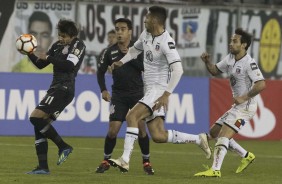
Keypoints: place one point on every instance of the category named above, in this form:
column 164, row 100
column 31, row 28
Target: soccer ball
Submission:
column 26, row 44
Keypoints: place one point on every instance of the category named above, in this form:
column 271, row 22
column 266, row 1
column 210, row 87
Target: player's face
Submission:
column 42, row 33
column 122, row 32
column 148, row 22
column 112, row 38
column 235, row 45
column 64, row 38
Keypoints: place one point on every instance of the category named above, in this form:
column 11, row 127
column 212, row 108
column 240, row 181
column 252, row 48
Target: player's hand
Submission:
column 240, row 99
column 124, row 50
column 162, row 101
column 106, row 96
column 116, row 65
column 206, row 57
column 42, row 56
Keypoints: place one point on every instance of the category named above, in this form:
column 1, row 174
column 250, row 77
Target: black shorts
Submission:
column 120, row 105
column 56, row 100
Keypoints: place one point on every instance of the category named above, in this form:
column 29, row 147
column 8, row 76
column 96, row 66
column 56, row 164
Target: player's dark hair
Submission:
column 159, row 13
column 39, row 16
column 112, row 32
column 124, row 20
column 68, row 27
column 245, row 37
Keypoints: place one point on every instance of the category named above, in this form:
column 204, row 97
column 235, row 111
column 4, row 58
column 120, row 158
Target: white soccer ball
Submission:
column 26, row 44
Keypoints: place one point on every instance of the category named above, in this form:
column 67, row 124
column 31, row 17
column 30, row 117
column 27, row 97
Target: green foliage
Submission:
column 173, row 164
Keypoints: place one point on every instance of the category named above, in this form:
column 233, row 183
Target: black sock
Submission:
column 52, row 134
column 144, row 144
column 49, row 131
column 41, row 146
column 109, row 146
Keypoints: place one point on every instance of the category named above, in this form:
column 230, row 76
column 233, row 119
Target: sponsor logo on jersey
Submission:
column 149, row 55
column 254, row 66
column 171, row 45
column 76, row 52
column 239, row 123
column 114, row 52
column 113, row 58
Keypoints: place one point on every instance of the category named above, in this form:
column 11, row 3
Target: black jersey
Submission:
column 126, row 79
column 66, row 60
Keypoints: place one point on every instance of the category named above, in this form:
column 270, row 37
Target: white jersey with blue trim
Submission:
column 159, row 53
column 242, row 74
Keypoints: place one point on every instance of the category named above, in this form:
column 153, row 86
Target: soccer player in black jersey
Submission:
column 66, row 55
column 127, row 89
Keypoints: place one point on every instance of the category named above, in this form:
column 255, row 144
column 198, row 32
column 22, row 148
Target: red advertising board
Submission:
column 267, row 122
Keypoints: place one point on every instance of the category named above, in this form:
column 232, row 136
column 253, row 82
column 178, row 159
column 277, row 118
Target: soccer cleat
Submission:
column 104, row 166
column 204, row 145
column 245, row 162
column 209, row 173
column 39, row 170
column 148, row 168
column 63, row 154
column 119, row 163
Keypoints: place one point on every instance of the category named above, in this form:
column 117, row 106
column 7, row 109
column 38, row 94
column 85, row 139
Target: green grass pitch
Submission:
column 173, row 164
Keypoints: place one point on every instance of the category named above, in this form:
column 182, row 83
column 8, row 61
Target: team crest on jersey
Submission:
column 157, row 48
column 149, row 55
column 238, row 70
column 171, row 45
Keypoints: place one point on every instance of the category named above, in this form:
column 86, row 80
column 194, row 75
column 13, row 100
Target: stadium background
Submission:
column 195, row 25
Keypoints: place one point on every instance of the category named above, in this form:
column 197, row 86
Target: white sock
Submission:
column 237, row 148
column 220, row 151
column 129, row 140
column 182, row 138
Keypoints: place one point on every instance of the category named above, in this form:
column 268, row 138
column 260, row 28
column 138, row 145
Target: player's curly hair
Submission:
column 245, row 37
column 68, row 27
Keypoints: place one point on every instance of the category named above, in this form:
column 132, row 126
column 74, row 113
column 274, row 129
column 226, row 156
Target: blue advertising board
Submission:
column 88, row 113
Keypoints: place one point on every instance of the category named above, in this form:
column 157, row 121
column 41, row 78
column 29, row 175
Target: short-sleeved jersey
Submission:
column 242, row 74
column 159, row 53
column 126, row 79
column 74, row 52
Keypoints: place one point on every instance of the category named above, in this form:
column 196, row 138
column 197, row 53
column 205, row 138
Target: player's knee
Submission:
column 39, row 123
column 112, row 133
column 131, row 118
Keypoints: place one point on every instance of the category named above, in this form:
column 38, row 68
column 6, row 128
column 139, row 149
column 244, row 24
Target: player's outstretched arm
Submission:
column 210, row 67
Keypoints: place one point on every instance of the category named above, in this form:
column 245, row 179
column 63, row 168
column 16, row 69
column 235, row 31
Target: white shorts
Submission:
column 236, row 117
column 149, row 99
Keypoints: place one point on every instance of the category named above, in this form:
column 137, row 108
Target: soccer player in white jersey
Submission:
column 246, row 81
column 162, row 72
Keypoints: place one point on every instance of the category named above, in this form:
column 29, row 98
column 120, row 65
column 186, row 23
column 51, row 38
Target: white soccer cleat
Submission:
column 204, row 145
column 119, row 163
